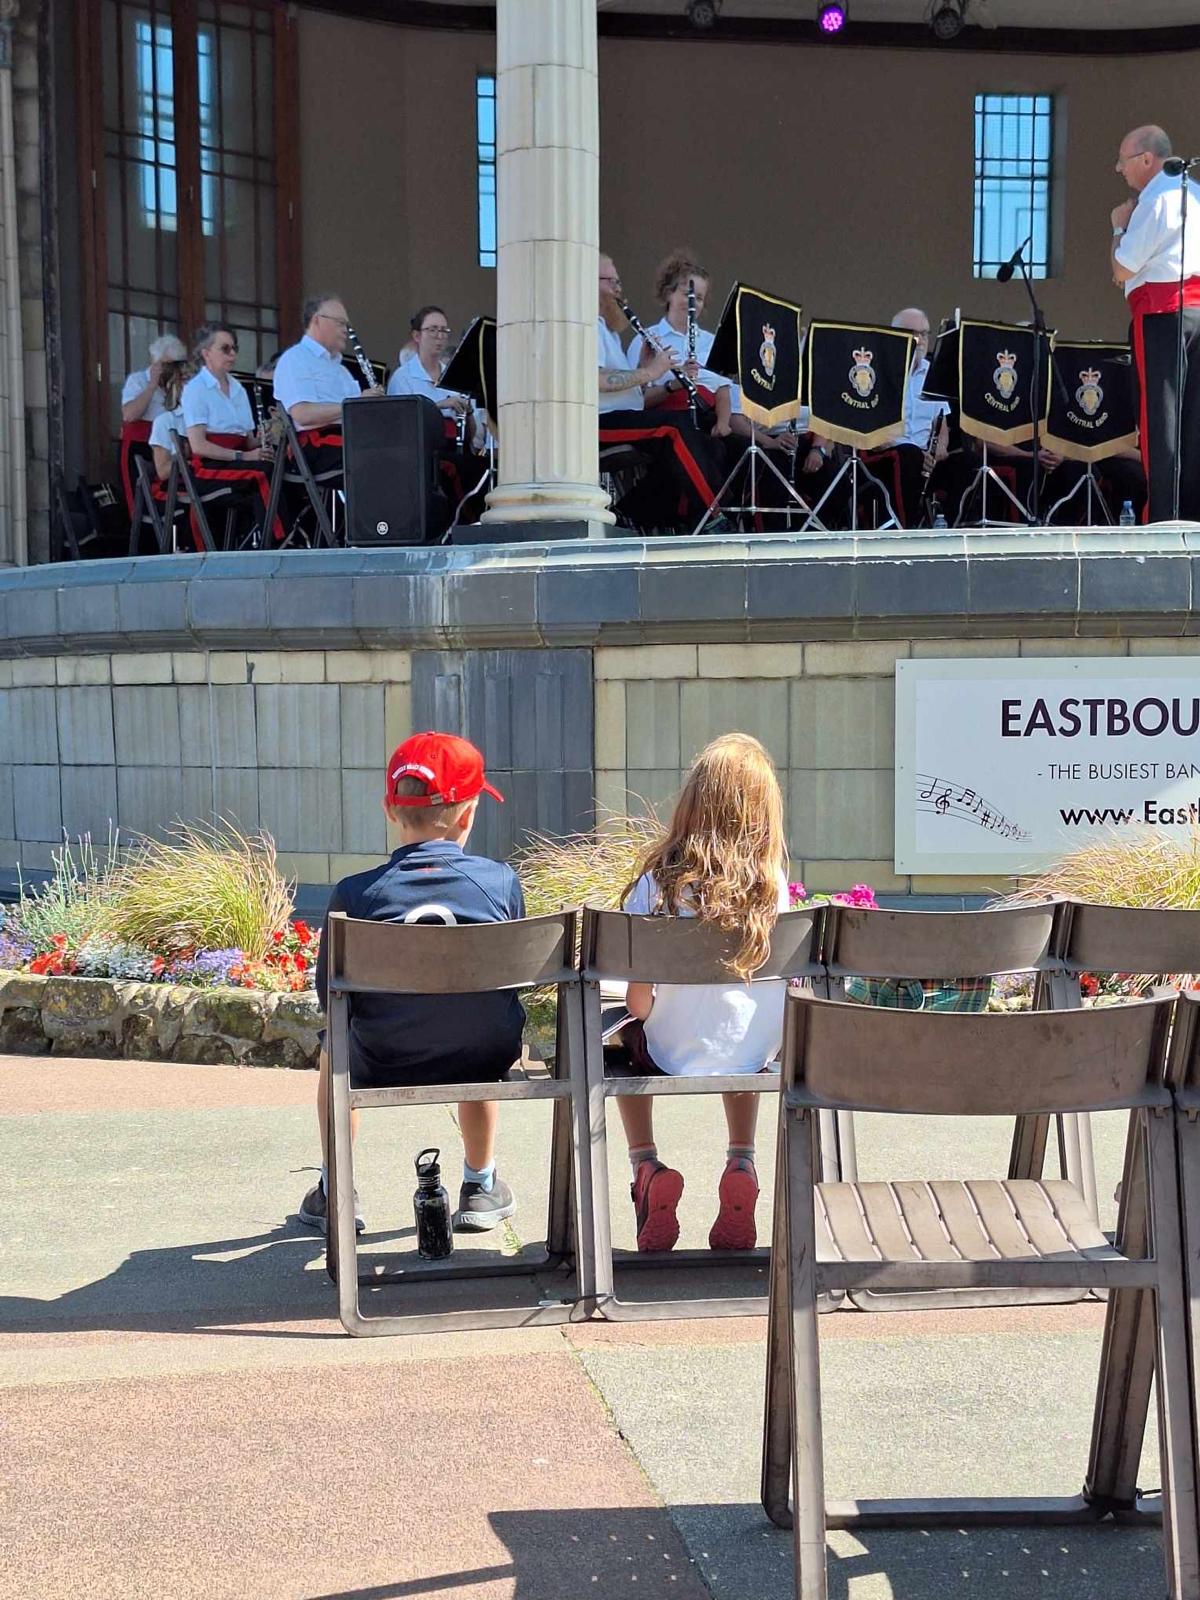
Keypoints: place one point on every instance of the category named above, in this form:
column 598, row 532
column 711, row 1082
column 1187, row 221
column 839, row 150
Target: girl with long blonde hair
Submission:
column 723, row 859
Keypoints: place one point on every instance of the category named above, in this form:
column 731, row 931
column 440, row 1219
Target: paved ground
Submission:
column 183, row 1417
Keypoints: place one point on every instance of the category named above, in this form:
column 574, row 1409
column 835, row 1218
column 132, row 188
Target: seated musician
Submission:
column 631, row 394
column 422, row 374
column 311, row 382
column 220, row 426
column 906, row 454
column 168, row 421
column 142, row 395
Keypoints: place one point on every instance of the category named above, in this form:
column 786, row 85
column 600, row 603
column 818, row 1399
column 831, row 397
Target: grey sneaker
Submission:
column 314, row 1209
column 480, row 1209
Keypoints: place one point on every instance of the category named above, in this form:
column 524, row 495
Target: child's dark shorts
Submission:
column 365, row 1073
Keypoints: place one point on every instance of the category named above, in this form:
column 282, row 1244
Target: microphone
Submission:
column 1004, row 273
column 1176, row 166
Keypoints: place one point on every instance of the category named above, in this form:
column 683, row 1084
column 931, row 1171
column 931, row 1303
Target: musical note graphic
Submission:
column 945, row 797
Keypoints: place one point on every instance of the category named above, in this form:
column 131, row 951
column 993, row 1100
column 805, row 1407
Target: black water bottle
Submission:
column 431, row 1207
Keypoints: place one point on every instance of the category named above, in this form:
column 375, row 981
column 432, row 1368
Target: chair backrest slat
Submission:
column 1132, row 939
column 467, row 958
column 871, row 1058
column 939, row 944
column 657, row 949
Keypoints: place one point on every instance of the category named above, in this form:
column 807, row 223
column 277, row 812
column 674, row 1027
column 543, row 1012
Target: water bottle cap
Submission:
column 428, row 1170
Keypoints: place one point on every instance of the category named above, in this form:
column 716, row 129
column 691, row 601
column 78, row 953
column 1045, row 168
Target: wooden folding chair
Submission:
column 394, row 958
column 986, row 1234
column 621, row 948
column 1155, row 944
column 916, row 947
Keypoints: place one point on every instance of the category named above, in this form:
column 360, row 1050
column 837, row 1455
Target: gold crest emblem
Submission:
column 862, row 373
column 766, row 350
column 1005, row 375
column 1089, row 393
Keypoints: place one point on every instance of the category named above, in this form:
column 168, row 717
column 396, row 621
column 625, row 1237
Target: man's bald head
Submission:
column 1142, row 154
column 913, row 320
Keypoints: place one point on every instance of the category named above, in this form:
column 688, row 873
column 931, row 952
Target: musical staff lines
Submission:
column 947, row 797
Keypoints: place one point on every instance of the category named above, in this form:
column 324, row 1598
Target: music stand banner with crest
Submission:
column 1093, row 409
column 757, row 344
column 995, row 377
column 856, row 380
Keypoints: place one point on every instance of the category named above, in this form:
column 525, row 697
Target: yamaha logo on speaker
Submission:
column 381, row 529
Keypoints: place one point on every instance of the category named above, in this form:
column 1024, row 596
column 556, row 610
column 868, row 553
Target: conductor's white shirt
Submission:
column 1150, row 248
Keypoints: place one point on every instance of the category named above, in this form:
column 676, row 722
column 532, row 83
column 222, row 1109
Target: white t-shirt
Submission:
column 1150, row 247
column 612, row 353
column 135, row 384
column 676, row 343
column 160, row 432
column 696, row 1030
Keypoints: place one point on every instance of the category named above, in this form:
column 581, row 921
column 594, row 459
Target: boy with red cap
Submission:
column 431, row 792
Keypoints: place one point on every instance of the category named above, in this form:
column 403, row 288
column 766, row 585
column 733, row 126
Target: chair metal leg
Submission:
column 596, row 1152
column 570, row 1045
column 777, row 1407
column 808, row 1466
column 1127, row 1352
column 340, row 1203
column 1173, row 1367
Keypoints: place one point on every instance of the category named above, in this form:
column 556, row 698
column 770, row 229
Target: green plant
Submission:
column 73, row 904
column 206, row 888
column 1128, row 869
column 583, row 868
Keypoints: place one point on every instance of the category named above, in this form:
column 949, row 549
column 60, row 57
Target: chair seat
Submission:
column 948, row 1220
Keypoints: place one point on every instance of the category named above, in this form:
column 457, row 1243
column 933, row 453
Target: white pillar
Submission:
column 12, row 369
column 548, row 224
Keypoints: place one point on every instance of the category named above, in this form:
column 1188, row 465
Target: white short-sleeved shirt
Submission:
column 412, row 378
column 160, row 432
column 612, row 353
column 674, row 341
column 698, row 1029
column 134, row 385
column 204, row 402
column 921, row 413
column 1150, row 248
column 309, row 374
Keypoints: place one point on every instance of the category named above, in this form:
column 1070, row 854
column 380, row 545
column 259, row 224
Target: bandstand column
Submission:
column 548, row 220
column 12, row 371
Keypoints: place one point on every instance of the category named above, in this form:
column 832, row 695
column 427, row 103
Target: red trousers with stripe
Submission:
column 132, row 433
column 247, row 475
column 1154, row 335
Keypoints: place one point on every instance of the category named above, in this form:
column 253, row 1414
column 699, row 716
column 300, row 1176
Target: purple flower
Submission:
column 209, row 968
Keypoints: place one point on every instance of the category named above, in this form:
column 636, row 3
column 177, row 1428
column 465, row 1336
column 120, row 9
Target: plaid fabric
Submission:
column 915, row 994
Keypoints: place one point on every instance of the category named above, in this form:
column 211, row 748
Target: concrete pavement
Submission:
column 183, row 1417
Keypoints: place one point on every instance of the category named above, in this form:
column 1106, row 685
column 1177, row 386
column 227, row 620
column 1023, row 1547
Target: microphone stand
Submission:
column 1033, row 507
column 1183, row 219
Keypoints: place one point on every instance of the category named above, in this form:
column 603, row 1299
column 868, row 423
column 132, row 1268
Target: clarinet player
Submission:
column 311, row 382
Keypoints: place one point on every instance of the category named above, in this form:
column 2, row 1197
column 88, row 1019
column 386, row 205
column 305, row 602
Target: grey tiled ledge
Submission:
column 1056, row 582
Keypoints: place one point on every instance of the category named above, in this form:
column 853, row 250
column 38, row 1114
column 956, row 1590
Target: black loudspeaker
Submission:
column 391, row 446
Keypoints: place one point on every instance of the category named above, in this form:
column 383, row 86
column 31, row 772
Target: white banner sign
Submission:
column 1004, row 766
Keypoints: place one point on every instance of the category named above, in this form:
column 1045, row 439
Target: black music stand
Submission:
column 996, row 403
column 471, row 370
column 758, row 345
column 1093, row 413
column 856, row 379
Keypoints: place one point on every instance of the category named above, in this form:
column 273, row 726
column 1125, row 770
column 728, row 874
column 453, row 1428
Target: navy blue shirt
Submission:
column 432, row 881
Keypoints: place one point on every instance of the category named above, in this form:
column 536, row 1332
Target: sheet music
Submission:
column 945, row 797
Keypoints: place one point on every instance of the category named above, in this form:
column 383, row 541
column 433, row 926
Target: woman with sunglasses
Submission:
column 220, row 425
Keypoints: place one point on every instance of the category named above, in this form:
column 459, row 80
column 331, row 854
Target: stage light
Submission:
column 946, row 19
column 831, row 18
column 702, row 13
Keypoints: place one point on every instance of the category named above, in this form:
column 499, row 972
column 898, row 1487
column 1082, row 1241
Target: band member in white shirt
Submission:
column 1147, row 262
column 142, row 396
column 906, row 453
column 220, row 424
column 311, row 382
column 685, row 475
column 422, row 374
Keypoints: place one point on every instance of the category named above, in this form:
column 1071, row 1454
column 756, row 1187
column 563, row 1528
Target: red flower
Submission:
column 303, row 931
column 1089, row 985
column 59, row 941
column 158, row 966
column 278, row 936
column 300, row 964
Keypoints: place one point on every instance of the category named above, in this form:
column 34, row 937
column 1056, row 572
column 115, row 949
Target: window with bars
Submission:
column 485, row 165
column 1014, row 150
column 154, row 54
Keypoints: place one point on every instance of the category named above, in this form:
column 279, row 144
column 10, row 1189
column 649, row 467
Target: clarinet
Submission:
column 691, row 342
column 637, row 327
column 360, row 355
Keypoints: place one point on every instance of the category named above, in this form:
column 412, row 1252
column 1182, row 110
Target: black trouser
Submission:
column 685, row 474
column 1155, row 346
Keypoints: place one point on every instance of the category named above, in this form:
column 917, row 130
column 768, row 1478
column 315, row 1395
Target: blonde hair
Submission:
column 675, row 269
column 724, row 850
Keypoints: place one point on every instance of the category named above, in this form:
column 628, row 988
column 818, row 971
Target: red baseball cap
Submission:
column 451, row 767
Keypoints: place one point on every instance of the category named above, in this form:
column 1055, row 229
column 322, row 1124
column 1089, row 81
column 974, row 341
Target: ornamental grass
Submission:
column 1145, row 869
column 583, row 868
column 204, row 888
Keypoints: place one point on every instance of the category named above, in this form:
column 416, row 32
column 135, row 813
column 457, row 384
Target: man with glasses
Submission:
column 685, row 473
column 905, row 454
column 1147, row 262
column 311, row 383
